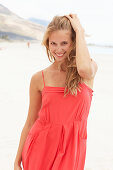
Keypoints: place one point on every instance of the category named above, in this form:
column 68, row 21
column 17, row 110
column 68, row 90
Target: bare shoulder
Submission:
column 37, row 80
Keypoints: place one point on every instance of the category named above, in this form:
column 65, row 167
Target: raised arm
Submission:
column 86, row 67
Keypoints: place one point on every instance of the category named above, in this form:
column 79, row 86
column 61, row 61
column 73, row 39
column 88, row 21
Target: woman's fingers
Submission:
column 75, row 22
column 69, row 17
column 73, row 15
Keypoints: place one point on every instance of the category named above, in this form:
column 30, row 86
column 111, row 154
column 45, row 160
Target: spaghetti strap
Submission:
column 43, row 78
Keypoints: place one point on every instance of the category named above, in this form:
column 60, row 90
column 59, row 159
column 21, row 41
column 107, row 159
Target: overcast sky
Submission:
column 95, row 16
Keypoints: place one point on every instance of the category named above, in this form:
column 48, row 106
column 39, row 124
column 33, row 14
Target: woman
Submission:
column 55, row 133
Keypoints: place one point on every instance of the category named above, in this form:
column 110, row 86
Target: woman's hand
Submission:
column 75, row 22
column 17, row 167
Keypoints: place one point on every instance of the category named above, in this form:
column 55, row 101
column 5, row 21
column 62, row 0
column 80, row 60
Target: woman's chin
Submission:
column 59, row 59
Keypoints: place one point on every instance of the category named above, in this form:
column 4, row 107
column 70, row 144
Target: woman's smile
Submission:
column 60, row 55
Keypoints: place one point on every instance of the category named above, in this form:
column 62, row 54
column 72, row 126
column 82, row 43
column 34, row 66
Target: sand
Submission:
column 17, row 64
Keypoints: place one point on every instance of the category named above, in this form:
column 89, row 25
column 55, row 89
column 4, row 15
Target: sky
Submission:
column 95, row 16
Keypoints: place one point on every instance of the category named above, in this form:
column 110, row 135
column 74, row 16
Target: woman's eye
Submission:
column 52, row 43
column 64, row 42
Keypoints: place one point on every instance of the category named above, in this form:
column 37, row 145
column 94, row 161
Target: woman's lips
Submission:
column 59, row 55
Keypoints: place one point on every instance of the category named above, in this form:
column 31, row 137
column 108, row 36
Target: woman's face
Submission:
column 60, row 43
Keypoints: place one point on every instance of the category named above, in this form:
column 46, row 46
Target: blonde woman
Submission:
column 54, row 136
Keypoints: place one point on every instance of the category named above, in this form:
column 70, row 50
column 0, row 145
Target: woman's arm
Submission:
column 86, row 68
column 34, row 107
column 83, row 59
column 24, row 134
column 85, row 65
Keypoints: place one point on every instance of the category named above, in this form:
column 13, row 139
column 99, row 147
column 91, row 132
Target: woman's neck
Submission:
column 57, row 65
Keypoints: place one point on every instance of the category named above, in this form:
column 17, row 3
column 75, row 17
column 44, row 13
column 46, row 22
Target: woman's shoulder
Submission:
column 38, row 79
column 37, row 75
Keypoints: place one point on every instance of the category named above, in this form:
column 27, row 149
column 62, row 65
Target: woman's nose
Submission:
column 59, row 49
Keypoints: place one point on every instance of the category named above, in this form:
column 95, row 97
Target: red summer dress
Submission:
column 58, row 138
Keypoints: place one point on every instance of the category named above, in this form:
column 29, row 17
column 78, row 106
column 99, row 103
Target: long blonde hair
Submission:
column 72, row 76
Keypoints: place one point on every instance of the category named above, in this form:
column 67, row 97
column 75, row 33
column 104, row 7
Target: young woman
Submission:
column 54, row 136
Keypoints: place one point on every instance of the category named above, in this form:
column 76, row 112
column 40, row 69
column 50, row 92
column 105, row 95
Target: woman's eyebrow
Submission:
column 61, row 42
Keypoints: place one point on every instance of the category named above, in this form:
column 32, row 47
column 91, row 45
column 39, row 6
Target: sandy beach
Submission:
column 17, row 64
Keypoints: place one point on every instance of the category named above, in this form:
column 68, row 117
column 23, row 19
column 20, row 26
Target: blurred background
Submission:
column 22, row 26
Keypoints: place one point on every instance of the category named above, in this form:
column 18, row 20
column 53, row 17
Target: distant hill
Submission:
column 4, row 10
column 16, row 28
column 13, row 36
column 39, row 21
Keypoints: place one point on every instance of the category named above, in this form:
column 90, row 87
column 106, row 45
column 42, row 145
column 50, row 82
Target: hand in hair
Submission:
column 75, row 22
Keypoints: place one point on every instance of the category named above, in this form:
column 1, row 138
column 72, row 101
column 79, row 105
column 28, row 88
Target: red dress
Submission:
column 58, row 138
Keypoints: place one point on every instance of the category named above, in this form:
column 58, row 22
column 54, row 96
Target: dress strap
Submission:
column 43, row 78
